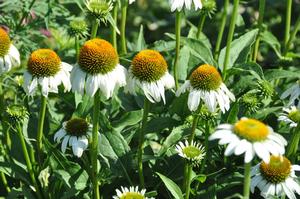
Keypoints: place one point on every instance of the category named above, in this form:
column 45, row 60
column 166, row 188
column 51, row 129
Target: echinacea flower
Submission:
column 206, row 83
column 179, row 4
column 98, row 68
column 131, row 193
column 251, row 137
column 293, row 92
column 193, row 152
column 9, row 54
column 149, row 72
column 290, row 116
column 276, row 178
column 74, row 132
column 45, row 69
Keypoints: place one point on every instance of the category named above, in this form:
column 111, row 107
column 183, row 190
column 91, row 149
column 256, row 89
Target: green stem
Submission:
column 177, row 51
column 112, row 28
column 247, row 180
column 293, row 36
column 292, row 148
column 77, row 46
column 230, row 36
column 28, row 162
column 262, row 5
column 201, row 24
column 288, row 21
column 222, row 28
column 94, row 149
column 123, row 29
column 141, row 141
column 25, row 14
column 4, row 181
column 194, row 126
column 207, row 133
column 41, row 128
column 95, row 28
column 188, row 182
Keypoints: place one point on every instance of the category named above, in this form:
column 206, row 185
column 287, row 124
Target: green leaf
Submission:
column 113, row 23
column 274, row 74
column 200, row 178
column 272, row 41
column 171, row 186
column 141, row 43
column 128, row 119
column 239, row 50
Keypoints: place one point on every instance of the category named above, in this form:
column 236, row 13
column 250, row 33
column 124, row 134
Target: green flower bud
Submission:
column 16, row 113
column 250, row 102
column 209, row 7
column 99, row 8
column 78, row 27
column 265, row 88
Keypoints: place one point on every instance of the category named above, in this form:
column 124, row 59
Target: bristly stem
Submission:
column 28, row 162
column 94, row 148
column 262, row 5
column 201, row 24
column 222, row 28
column 247, row 180
column 230, row 36
column 177, row 51
column 95, row 28
column 293, row 36
column 141, row 141
column 288, row 21
column 123, row 29
column 112, row 28
column 41, row 128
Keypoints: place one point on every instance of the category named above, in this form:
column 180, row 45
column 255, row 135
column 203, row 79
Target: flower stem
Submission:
column 292, row 148
column 222, row 28
column 201, row 24
column 94, row 148
column 262, row 5
column 177, row 51
column 141, row 141
column 230, row 35
column 28, row 162
column 4, row 181
column 112, row 28
column 41, row 128
column 288, row 21
column 188, row 181
column 293, row 36
column 247, row 180
column 95, row 29
column 123, row 29
column 194, row 126
column 77, row 46
column 207, row 133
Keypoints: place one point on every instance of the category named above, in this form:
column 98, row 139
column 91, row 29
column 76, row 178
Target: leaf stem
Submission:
column 262, row 5
column 123, row 28
column 230, row 36
column 288, row 21
column 177, row 50
column 222, row 28
column 112, row 28
column 141, row 141
column 41, row 128
column 247, row 180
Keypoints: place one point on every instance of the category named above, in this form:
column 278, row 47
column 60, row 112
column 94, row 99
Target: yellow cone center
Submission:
column 43, row 63
column 4, row 43
column 251, row 129
column 149, row 66
column 77, row 127
column 98, row 56
column 277, row 170
column 132, row 195
column 206, row 77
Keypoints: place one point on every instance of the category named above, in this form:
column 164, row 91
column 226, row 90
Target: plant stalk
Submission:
column 41, row 128
column 288, row 21
column 293, row 36
column 112, row 28
column 201, row 24
column 177, row 50
column 95, row 28
column 123, row 29
column 188, row 181
column 4, row 181
column 247, row 180
column 292, row 148
column 230, row 36
column 141, row 141
column 77, row 48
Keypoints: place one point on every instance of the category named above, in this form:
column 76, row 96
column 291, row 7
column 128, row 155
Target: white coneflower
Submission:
column 179, row 4
column 293, row 92
column 131, row 193
column 251, row 137
column 98, row 68
column 290, row 116
column 206, row 83
column 75, row 132
column 45, row 68
column 9, row 54
column 149, row 72
column 276, row 178
column 193, row 152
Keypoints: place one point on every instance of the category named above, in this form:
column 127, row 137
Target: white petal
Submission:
column 64, row 143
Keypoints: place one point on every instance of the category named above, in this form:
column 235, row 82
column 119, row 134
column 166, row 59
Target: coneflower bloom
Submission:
column 149, row 72
column 276, row 178
column 193, row 152
column 293, row 92
column 9, row 54
column 98, row 68
column 206, row 83
column 131, row 193
column 179, row 4
column 251, row 137
column 45, row 69
column 290, row 116
column 74, row 133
